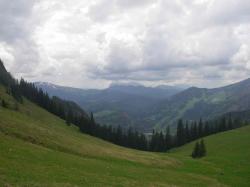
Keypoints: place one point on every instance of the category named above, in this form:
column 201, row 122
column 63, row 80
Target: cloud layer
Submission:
column 92, row 43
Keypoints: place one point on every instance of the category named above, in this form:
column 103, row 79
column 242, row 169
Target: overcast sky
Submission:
column 90, row 44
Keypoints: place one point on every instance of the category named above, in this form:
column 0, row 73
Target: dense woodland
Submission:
column 73, row 114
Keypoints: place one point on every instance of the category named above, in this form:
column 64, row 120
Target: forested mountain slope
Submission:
column 195, row 103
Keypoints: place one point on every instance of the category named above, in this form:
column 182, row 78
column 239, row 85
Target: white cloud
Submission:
column 91, row 43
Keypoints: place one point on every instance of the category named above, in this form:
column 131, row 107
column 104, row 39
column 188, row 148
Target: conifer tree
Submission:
column 168, row 139
column 222, row 126
column 194, row 131
column 207, row 129
column 203, row 150
column 199, row 149
column 180, row 135
column 187, row 133
column 196, row 151
column 200, row 128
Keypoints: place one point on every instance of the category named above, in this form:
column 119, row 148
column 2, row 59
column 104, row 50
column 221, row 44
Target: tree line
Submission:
column 190, row 131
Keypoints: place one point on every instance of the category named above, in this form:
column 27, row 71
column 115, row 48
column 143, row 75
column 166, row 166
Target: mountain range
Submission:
column 123, row 105
column 146, row 108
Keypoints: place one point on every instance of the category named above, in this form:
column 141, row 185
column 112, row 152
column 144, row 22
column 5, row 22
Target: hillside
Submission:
column 195, row 103
column 228, row 153
column 39, row 149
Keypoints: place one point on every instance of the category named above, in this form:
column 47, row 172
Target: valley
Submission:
column 38, row 148
column 146, row 108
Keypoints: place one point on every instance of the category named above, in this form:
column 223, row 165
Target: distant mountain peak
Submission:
column 45, row 84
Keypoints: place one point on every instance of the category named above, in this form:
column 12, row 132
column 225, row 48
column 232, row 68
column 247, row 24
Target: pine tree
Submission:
column 194, row 131
column 207, row 129
column 222, row 126
column 180, row 135
column 196, row 151
column 187, row 133
column 168, row 139
column 200, row 128
column 161, row 143
column 203, row 150
column 199, row 149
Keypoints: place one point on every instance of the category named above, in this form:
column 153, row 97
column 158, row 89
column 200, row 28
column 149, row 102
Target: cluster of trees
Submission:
column 190, row 131
column 127, row 138
column 195, row 130
column 161, row 142
column 199, row 149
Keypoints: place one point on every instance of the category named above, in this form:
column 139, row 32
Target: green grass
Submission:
column 229, row 153
column 39, row 149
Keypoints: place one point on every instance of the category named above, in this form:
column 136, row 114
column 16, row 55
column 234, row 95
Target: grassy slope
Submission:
column 38, row 149
column 228, row 153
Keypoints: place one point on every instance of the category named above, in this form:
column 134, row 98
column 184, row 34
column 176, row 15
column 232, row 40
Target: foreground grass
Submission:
column 38, row 149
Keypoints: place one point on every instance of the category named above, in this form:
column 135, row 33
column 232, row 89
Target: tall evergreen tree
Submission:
column 194, row 131
column 200, row 128
column 168, row 141
column 207, row 129
column 180, row 135
column 199, row 149
column 187, row 133
column 222, row 126
column 196, row 150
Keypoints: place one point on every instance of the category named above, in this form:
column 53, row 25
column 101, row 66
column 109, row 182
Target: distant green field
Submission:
column 39, row 149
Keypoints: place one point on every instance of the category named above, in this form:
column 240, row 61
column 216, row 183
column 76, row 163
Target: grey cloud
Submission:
column 14, row 17
column 16, row 32
column 230, row 11
column 143, row 40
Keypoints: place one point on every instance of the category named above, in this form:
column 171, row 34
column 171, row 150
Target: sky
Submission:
column 90, row 44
